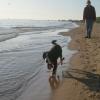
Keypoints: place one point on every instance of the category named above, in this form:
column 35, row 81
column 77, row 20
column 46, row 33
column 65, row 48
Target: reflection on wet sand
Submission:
column 54, row 82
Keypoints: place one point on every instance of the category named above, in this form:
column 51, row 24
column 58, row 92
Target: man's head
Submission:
column 54, row 42
column 88, row 2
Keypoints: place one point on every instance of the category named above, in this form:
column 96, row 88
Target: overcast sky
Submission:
column 44, row 9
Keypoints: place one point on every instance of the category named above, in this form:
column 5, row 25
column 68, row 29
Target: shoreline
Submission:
column 34, row 90
column 80, row 81
column 83, row 76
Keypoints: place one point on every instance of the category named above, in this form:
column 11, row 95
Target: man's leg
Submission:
column 89, row 27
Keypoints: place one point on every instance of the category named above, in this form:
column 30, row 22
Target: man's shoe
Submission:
column 89, row 36
column 86, row 36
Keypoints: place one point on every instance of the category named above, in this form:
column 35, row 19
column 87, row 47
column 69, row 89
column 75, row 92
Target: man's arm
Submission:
column 94, row 15
column 84, row 14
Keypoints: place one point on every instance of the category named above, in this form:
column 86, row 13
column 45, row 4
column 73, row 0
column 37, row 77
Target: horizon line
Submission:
column 36, row 19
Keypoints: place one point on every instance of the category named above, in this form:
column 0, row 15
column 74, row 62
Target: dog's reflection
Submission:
column 54, row 82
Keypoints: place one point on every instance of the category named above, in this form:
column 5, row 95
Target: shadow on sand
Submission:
column 91, row 80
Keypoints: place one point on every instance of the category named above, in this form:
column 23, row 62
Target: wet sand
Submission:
column 42, row 88
column 82, row 79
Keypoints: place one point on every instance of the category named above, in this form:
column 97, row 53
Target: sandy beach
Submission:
column 82, row 79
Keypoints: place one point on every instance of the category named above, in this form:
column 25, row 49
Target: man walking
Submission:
column 89, row 15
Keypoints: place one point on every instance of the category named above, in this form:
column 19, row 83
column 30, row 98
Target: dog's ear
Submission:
column 44, row 55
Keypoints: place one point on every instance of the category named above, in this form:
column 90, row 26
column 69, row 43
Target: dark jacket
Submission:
column 55, row 53
column 89, row 13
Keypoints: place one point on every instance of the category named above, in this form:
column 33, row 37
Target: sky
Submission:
column 44, row 9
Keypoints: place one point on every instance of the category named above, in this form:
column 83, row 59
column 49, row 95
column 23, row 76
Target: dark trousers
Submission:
column 89, row 26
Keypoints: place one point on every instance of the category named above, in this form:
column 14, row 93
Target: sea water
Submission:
column 22, row 43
